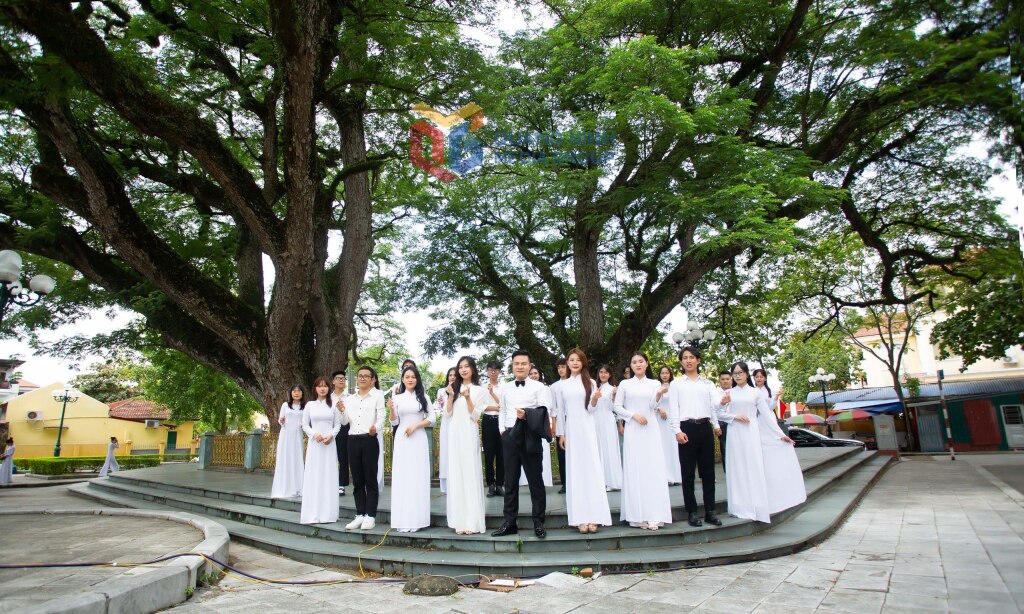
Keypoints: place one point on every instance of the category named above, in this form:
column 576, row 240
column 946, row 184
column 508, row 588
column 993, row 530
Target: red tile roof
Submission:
column 139, row 409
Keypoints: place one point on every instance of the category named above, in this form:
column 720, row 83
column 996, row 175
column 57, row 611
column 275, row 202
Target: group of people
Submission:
column 667, row 424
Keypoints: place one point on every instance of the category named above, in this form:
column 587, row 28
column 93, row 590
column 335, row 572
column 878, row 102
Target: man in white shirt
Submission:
column 364, row 412
column 694, row 421
column 494, row 466
column 523, row 424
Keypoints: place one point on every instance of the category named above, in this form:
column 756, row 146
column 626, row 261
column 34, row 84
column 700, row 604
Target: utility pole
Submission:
column 945, row 416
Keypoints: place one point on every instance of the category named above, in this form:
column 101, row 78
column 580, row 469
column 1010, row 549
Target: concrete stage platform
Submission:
column 836, row 478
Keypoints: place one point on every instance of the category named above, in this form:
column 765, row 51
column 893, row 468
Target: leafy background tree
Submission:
column 226, row 170
column 231, row 173
column 109, row 381
column 985, row 307
column 804, row 356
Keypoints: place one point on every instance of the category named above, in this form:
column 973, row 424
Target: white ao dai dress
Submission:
column 288, row 464
column 109, row 463
column 410, row 466
column 608, row 438
column 645, row 496
column 465, row 502
column 7, row 466
column 442, row 442
column 585, row 499
column 745, row 480
column 783, row 477
column 320, row 480
column 669, row 446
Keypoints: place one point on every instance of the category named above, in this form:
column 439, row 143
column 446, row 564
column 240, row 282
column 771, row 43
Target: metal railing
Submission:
column 228, row 451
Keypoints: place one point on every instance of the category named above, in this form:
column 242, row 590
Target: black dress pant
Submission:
column 721, row 441
column 518, row 459
column 494, row 461
column 341, row 442
column 561, row 462
column 698, row 452
column 363, row 451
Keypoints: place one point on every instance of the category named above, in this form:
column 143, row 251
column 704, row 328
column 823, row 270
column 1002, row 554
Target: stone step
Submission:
column 253, row 489
column 442, row 538
column 808, row 525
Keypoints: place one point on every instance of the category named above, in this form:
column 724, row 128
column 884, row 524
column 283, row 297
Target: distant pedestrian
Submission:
column 288, row 465
column 110, row 464
column 7, row 466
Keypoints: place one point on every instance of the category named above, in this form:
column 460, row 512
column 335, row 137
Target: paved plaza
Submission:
column 47, row 538
column 931, row 536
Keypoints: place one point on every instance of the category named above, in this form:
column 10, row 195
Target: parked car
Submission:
column 809, row 439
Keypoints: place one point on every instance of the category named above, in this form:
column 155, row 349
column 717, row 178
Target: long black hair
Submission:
column 474, row 378
column 302, row 401
column 421, row 395
column 611, row 374
column 743, row 367
column 765, row 374
column 541, row 377
column 671, row 374
column 648, row 373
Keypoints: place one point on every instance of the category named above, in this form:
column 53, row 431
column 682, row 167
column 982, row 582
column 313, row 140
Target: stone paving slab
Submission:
column 931, row 536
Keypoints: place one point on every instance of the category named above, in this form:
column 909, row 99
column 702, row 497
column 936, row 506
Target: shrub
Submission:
column 69, row 465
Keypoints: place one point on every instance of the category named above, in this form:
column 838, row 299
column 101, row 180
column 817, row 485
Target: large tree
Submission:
column 194, row 161
column 746, row 131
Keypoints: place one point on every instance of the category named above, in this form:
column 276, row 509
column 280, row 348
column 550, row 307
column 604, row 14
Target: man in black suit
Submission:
column 523, row 424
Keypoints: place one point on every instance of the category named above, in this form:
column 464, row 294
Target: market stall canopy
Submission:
column 881, row 406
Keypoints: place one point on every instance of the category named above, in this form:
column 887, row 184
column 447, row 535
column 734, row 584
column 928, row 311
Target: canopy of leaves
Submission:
column 804, row 356
column 985, row 308
column 746, row 134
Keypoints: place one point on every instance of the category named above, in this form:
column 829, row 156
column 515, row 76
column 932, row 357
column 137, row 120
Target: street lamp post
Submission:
column 694, row 335
column 67, row 395
column 11, row 290
column 823, row 378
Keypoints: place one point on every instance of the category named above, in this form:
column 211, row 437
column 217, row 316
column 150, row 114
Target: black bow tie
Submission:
column 521, row 383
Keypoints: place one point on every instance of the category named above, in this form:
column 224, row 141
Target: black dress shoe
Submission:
column 561, row 490
column 491, row 491
column 712, row 519
column 694, row 520
column 499, row 490
column 540, row 532
column 506, row 529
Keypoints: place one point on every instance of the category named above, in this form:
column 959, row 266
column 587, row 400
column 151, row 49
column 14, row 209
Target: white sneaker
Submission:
column 368, row 523
column 358, row 520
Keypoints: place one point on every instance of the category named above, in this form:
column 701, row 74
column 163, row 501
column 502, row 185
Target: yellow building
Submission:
column 140, row 426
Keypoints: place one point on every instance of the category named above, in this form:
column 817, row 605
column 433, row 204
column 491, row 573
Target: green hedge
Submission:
column 70, row 465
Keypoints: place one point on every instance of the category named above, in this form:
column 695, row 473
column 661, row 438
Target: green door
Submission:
column 172, row 440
